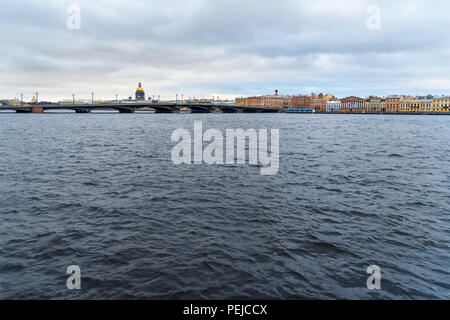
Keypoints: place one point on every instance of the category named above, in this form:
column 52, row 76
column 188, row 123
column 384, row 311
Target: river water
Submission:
column 100, row 191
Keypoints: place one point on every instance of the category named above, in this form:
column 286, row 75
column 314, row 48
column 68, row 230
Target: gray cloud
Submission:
column 223, row 48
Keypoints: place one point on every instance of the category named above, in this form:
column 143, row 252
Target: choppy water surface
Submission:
column 101, row 192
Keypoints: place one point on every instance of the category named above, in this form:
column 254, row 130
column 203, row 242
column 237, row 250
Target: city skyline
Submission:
column 35, row 96
column 226, row 49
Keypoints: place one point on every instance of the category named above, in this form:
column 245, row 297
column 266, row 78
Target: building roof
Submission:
column 139, row 88
column 353, row 98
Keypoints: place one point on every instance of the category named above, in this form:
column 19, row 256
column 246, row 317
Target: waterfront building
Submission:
column 409, row 105
column 405, row 105
column 319, row 105
column 381, row 106
column 425, row 105
column 140, row 94
column 416, row 105
column 275, row 101
column 375, row 105
column 249, row 102
column 301, row 102
column 352, row 105
column 318, row 102
column 333, row 106
column 441, row 104
column 393, row 103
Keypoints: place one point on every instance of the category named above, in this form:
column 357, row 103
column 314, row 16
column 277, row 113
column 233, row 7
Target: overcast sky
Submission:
column 224, row 48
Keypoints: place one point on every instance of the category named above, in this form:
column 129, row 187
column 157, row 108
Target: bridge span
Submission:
column 133, row 106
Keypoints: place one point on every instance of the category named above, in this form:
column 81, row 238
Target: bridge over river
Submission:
column 133, row 106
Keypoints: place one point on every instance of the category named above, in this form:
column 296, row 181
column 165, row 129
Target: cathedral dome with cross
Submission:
column 140, row 94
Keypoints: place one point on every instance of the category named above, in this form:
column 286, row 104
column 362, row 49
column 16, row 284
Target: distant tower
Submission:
column 140, row 94
column 276, row 92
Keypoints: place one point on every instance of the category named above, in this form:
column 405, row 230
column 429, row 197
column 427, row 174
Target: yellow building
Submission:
column 406, row 105
column 441, row 104
column 425, row 105
column 375, row 105
column 415, row 105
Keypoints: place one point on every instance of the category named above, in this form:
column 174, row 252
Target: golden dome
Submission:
column 139, row 89
column 140, row 94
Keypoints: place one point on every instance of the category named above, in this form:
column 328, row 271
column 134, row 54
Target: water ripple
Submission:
column 100, row 191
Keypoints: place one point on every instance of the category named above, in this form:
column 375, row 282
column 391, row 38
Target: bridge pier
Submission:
column 37, row 109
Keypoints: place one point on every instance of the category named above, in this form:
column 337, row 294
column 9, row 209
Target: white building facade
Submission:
column 333, row 106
